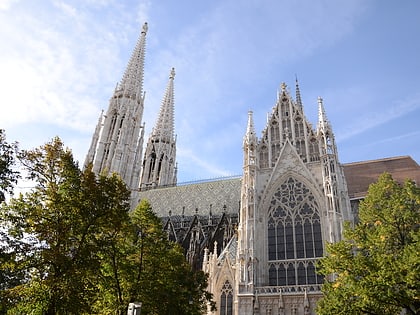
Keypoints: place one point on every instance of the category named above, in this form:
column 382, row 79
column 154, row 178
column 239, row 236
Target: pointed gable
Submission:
column 289, row 164
column 287, row 122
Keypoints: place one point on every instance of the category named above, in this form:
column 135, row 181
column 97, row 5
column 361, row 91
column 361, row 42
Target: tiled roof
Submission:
column 229, row 251
column 196, row 198
column 360, row 175
column 199, row 197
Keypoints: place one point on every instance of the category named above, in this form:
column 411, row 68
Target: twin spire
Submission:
column 117, row 143
column 159, row 165
column 132, row 80
column 164, row 128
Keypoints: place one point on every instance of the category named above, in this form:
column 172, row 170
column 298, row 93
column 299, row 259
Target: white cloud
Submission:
column 63, row 59
column 6, row 4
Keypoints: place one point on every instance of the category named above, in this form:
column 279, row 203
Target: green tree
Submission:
column 145, row 266
column 376, row 268
column 57, row 232
column 8, row 176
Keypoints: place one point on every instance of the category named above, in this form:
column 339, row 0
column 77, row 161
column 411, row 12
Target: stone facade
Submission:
column 293, row 200
column 258, row 235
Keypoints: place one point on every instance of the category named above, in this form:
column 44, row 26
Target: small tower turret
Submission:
column 246, row 259
column 335, row 187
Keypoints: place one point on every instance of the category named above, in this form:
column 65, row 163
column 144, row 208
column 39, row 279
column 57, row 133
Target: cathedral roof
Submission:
column 360, row 175
column 202, row 197
column 217, row 196
column 229, row 251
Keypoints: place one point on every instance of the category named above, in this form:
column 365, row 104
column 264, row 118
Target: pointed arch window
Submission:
column 112, row 126
column 264, row 157
column 226, row 299
column 275, row 131
column 299, row 129
column 294, row 235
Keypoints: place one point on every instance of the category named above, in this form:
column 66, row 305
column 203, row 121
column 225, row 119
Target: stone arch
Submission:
column 226, row 299
column 293, row 231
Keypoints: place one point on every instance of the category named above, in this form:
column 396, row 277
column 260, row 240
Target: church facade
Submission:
column 258, row 235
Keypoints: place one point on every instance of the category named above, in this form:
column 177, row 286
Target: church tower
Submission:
column 118, row 139
column 159, row 168
column 293, row 200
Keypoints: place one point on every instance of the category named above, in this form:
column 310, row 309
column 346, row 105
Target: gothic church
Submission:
column 258, row 236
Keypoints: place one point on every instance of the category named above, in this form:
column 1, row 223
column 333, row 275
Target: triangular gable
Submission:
column 289, row 162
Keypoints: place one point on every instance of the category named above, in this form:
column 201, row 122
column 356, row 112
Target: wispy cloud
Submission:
column 198, row 167
column 56, row 65
column 63, row 58
column 378, row 117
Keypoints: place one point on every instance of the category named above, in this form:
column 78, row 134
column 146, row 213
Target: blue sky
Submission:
column 60, row 61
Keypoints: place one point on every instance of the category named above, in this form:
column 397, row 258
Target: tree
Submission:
column 145, row 266
column 8, row 176
column 375, row 269
column 57, row 232
column 71, row 246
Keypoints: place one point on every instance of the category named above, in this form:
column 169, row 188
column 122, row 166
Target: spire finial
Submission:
column 283, row 87
column 144, row 28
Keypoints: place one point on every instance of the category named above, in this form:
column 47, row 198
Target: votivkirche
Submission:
column 258, row 235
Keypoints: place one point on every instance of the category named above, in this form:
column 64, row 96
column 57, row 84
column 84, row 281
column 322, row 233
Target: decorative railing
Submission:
column 286, row 290
column 199, row 181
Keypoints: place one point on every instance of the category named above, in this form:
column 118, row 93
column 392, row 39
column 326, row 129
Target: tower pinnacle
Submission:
column 298, row 98
column 323, row 123
column 250, row 136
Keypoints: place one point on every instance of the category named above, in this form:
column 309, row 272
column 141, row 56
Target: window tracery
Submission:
column 226, row 299
column 264, row 157
column 275, row 131
column 294, row 235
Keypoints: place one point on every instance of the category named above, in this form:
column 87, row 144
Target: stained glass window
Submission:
column 294, row 235
column 226, row 299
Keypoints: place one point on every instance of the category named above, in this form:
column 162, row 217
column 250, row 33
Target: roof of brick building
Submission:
column 360, row 175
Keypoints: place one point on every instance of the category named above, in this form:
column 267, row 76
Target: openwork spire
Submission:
column 250, row 136
column 164, row 128
column 298, row 98
column 132, row 81
column 159, row 163
column 117, row 144
column 323, row 123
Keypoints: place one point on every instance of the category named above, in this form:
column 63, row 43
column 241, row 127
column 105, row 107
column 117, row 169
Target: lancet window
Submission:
column 226, row 299
column 264, row 157
column 294, row 236
column 275, row 131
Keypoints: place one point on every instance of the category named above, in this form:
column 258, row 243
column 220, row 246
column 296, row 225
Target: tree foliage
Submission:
column 376, row 268
column 55, row 232
column 8, row 176
column 147, row 267
column 71, row 246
